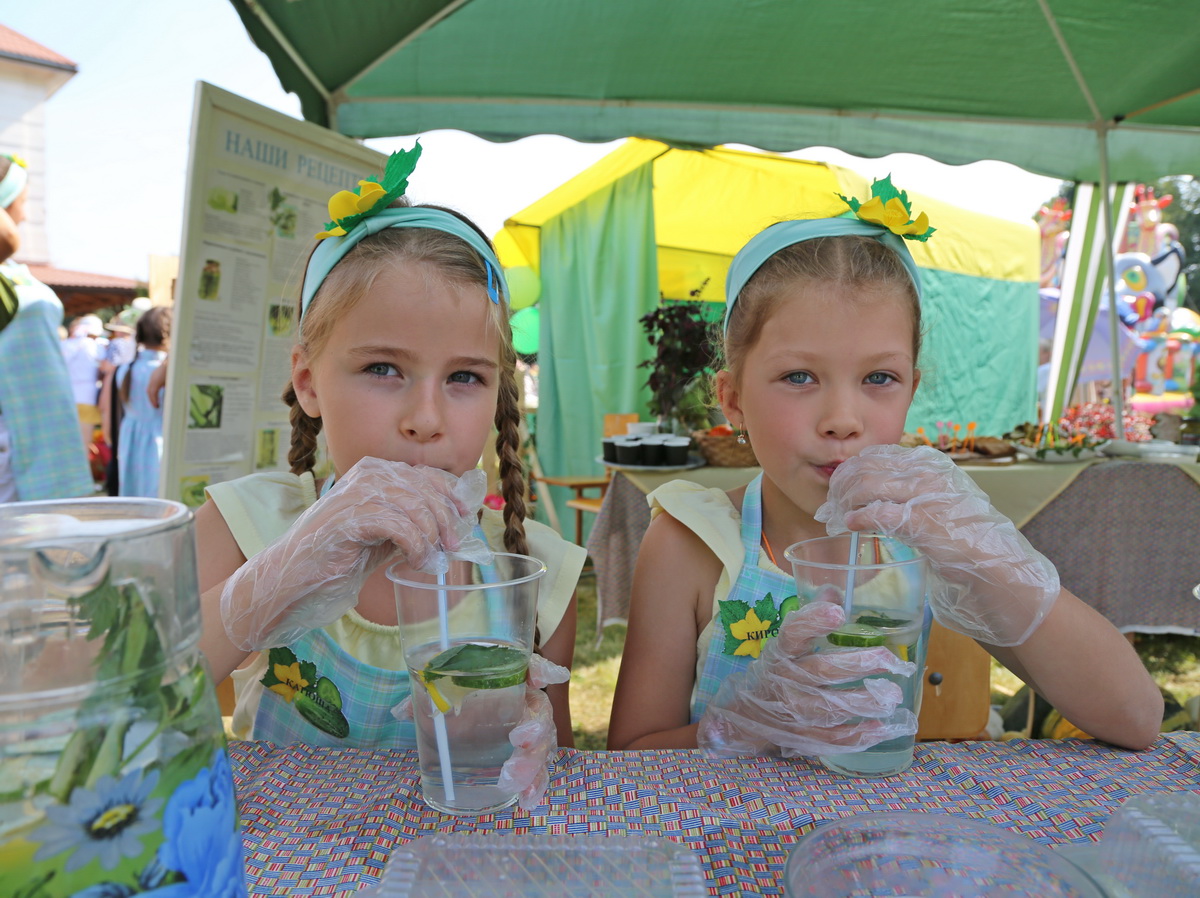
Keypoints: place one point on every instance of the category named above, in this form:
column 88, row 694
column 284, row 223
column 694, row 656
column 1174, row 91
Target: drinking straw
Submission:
column 848, row 598
column 439, row 719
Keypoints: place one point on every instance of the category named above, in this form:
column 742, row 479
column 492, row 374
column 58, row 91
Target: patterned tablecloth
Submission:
column 324, row 821
column 1121, row 533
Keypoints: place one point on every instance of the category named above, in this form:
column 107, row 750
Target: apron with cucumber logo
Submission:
column 750, row 615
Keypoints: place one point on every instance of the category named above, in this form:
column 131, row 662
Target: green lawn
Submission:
column 1173, row 661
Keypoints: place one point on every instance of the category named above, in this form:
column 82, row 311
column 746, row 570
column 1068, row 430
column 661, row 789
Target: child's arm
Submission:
column 218, row 557
column 560, row 648
column 1079, row 663
column 675, row 572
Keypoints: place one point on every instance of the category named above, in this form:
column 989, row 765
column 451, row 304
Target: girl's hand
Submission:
column 988, row 582
column 379, row 511
column 782, row 705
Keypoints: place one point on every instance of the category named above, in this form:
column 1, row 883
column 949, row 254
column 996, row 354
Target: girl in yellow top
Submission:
column 404, row 362
column 822, row 336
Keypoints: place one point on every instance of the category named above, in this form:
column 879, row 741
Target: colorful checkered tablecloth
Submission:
column 320, row 821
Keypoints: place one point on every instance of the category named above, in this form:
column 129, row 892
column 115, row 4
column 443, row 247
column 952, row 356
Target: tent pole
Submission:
column 1110, row 262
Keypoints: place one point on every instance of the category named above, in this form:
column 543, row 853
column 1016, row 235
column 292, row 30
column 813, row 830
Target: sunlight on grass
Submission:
column 594, row 677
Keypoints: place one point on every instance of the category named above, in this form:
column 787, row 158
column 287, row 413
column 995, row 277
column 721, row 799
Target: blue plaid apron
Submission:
column 752, row 585
column 352, row 707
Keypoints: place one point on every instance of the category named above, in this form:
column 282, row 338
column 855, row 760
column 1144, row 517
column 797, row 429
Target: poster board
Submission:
column 258, row 185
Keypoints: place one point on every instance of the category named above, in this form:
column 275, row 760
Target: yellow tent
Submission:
column 708, row 203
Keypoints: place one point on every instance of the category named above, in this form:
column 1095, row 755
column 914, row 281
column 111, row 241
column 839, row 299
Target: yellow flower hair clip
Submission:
column 348, row 207
column 19, row 160
column 890, row 208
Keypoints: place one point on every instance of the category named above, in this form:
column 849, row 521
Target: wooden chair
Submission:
column 614, row 425
column 581, row 503
column 956, row 694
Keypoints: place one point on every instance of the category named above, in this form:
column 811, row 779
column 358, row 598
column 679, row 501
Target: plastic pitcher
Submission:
column 114, row 774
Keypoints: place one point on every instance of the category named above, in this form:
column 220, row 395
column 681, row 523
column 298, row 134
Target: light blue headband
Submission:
column 12, row 183
column 331, row 250
column 768, row 242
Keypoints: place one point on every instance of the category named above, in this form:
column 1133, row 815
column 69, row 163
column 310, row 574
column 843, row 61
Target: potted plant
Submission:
column 679, row 334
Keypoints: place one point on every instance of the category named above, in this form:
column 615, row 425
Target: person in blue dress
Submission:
column 141, row 425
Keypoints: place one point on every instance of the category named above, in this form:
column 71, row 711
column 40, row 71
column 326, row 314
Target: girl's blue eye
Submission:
column 465, row 377
column 879, row 378
column 382, row 369
column 799, row 377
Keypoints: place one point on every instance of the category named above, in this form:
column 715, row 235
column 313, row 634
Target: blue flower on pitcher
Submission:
column 202, row 842
column 105, row 823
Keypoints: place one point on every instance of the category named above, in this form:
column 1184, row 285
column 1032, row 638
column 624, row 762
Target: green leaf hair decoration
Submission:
column 348, row 207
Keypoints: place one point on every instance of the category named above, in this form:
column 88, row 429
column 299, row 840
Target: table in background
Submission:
column 319, row 821
column 623, row 518
column 1121, row 533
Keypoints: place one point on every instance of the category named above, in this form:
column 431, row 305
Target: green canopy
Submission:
column 1031, row 82
column 1087, row 90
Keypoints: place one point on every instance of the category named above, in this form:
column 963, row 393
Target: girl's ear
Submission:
column 730, row 399
column 916, row 381
column 302, row 382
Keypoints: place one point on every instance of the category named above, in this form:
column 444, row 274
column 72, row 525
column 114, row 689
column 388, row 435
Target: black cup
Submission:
column 653, row 452
column 676, row 455
column 610, row 449
column 629, row 452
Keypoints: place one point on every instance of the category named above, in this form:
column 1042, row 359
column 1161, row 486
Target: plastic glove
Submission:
column 988, row 582
column 781, row 705
column 379, row 511
column 535, row 738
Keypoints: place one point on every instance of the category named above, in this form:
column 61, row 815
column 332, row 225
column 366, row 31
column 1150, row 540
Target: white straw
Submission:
column 848, row 598
column 439, row 719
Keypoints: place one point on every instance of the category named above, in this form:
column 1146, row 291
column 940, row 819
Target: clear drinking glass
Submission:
column 467, row 639
column 113, row 772
column 881, row 584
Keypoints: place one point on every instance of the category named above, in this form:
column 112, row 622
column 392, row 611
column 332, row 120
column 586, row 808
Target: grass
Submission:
column 1173, row 661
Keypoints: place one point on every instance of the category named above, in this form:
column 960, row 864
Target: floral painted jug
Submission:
column 114, row 779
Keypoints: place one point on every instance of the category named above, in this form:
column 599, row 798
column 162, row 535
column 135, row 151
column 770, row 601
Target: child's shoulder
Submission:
column 259, row 508
column 705, row 522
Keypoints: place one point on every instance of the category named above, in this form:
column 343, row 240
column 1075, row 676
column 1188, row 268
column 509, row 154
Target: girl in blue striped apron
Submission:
column 404, row 364
column 822, row 334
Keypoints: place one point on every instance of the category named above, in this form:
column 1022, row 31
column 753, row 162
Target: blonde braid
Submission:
column 302, row 455
column 508, row 450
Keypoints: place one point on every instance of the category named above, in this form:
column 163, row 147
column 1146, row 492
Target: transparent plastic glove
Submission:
column 988, row 582
column 781, row 705
column 534, row 739
column 379, row 511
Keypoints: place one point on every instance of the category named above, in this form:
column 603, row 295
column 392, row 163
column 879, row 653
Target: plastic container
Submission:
column 112, row 754
column 928, row 855
column 492, row 865
column 1150, row 848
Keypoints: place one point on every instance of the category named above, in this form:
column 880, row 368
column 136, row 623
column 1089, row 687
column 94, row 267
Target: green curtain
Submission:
column 978, row 360
column 599, row 276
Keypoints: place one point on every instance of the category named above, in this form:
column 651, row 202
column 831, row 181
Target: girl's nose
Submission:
column 840, row 417
column 423, row 417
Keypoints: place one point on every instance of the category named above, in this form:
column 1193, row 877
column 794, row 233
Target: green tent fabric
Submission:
column 1031, row 82
column 590, row 336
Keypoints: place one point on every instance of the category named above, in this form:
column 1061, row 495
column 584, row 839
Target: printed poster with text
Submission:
column 257, row 191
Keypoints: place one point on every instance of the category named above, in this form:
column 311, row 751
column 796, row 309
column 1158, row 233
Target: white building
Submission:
column 29, row 75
